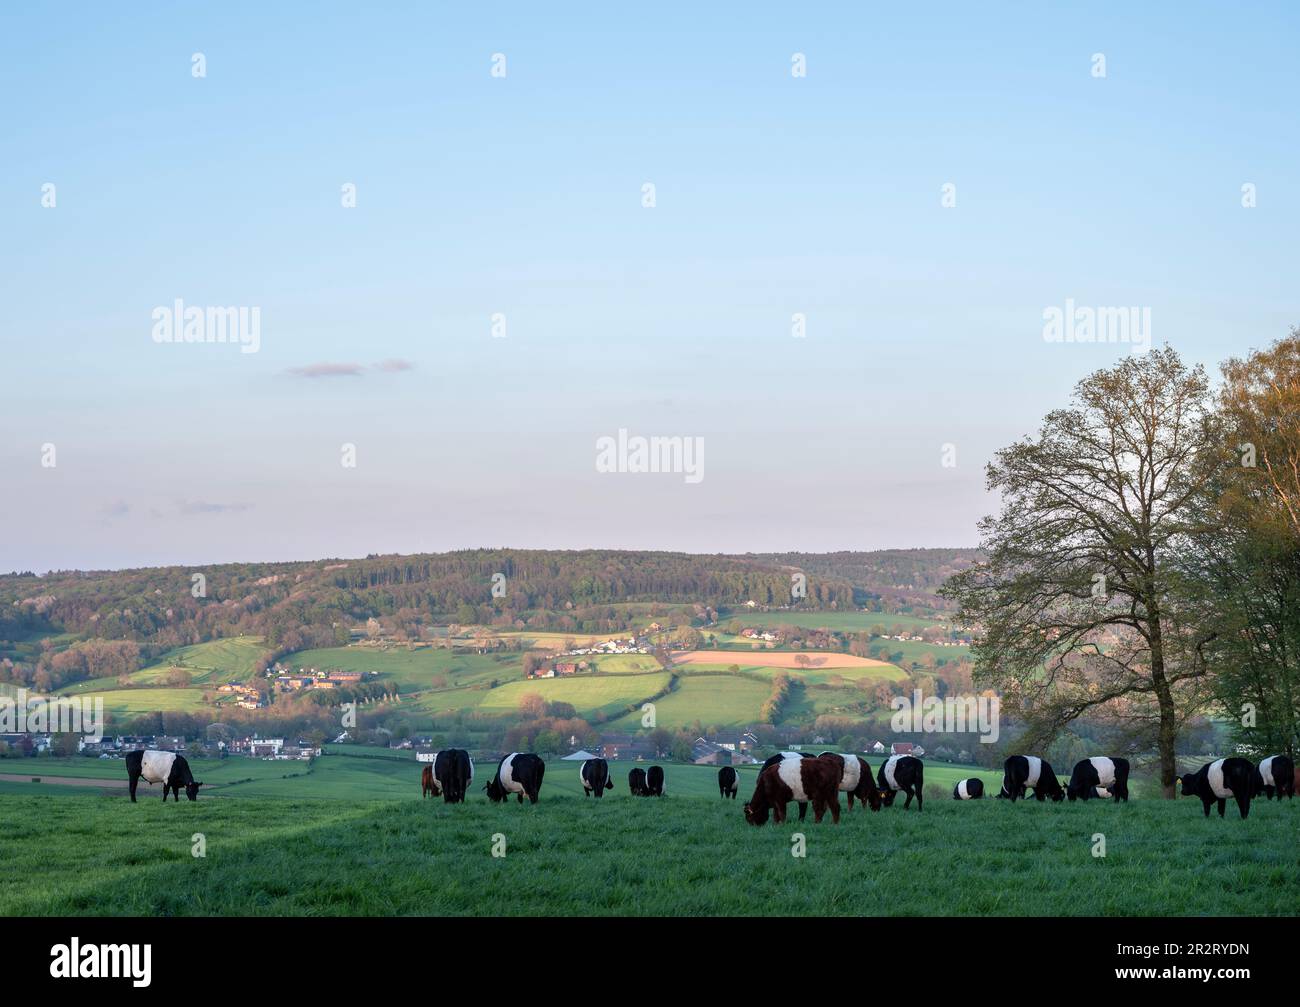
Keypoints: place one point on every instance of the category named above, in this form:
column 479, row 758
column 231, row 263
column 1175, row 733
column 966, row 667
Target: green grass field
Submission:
column 855, row 622
column 725, row 700
column 414, row 670
column 211, row 663
column 353, row 836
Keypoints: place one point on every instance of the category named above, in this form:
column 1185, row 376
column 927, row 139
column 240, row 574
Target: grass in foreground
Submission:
column 82, row 854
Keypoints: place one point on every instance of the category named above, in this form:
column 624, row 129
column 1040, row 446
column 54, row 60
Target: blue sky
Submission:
column 522, row 195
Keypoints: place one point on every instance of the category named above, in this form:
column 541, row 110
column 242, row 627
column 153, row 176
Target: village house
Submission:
column 906, row 748
column 258, row 748
column 712, row 753
column 626, row 746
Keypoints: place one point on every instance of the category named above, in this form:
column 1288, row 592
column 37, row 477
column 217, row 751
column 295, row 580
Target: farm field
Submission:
column 588, row 693
column 726, row 700
column 353, row 836
column 433, row 681
column 777, row 659
column 211, row 663
column 857, row 622
column 412, row 670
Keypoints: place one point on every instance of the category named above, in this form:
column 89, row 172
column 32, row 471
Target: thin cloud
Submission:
column 325, row 370
column 394, row 365
column 208, row 507
column 118, row 508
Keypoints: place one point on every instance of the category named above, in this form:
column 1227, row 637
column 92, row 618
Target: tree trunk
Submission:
column 1168, row 716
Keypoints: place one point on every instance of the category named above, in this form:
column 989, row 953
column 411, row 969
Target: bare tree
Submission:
column 1078, row 601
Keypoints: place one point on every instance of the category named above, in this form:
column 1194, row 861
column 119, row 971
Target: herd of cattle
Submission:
column 806, row 779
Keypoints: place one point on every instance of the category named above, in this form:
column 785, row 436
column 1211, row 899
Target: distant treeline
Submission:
column 314, row 604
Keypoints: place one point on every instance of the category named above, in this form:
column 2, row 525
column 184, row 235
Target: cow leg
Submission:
column 920, row 798
column 835, row 809
column 819, row 810
column 1208, row 804
column 1243, row 804
column 1223, row 804
column 803, row 809
column 850, row 799
column 132, row 784
column 778, row 813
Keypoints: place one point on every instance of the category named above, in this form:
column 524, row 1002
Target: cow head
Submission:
column 192, row 790
column 755, row 816
column 887, row 797
column 1188, row 781
column 495, row 791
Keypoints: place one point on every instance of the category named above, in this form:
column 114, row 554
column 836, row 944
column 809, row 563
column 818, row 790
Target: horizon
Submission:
column 445, row 552
column 849, row 289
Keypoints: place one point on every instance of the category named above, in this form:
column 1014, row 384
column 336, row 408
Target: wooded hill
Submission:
column 304, row 604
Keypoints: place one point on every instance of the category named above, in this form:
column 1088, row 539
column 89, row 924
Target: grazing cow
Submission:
column 1097, row 774
column 1276, row 777
column 728, row 782
column 1022, row 772
column 636, row 782
column 1219, row 780
column 167, row 768
column 969, row 790
column 654, row 782
column 905, row 773
column 450, row 774
column 793, row 777
column 856, row 780
column 773, row 760
column 518, row 773
column 594, row 776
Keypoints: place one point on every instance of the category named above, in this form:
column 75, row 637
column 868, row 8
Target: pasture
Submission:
column 352, row 836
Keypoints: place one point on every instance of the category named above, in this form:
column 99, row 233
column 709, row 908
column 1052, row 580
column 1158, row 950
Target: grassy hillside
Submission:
column 274, row 845
column 209, row 663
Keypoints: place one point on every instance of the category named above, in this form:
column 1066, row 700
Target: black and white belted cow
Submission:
column 1276, row 777
column 1024, row 772
column 450, row 774
column 969, row 789
column 1099, row 773
column 594, row 776
column 728, row 782
column 775, row 760
column 1219, row 780
column 654, row 781
column 856, row 780
column 905, row 773
column 167, row 768
column 791, row 776
column 518, row 773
